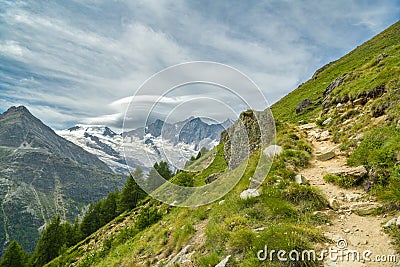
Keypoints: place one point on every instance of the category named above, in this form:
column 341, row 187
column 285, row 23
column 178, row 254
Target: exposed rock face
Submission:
column 334, row 84
column 304, row 104
column 252, row 131
column 344, row 171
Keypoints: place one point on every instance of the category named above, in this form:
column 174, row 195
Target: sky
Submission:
column 81, row 62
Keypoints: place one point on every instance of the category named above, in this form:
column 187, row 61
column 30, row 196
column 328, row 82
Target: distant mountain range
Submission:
column 42, row 175
column 159, row 140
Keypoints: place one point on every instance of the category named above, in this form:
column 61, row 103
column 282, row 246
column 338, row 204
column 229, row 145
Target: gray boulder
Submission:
column 300, row 179
column 249, row 193
column 359, row 171
column 304, row 104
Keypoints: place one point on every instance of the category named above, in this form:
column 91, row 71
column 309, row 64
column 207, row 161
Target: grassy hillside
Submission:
column 283, row 217
column 363, row 112
column 364, row 73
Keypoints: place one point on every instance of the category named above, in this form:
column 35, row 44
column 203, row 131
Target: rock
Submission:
column 327, row 121
column 380, row 58
column 249, row 193
column 273, row 150
column 390, row 223
column 324, row 136
column 334, row 203
column 212, row 178
column 359, row 102
column 364, row 208
column 398, row 221
column 303, row 105
column 307, row 126
column 259, row 229
column 326, row 155
column 398, row 124
column 221, row 202
column 314, row 134
column 359, row 171
column 334, row 84
column 346, row 231
column 299, row 179
column 223, row 262
column 352, row 197
column 179, row 257
column 378, row 111
column 339, row 105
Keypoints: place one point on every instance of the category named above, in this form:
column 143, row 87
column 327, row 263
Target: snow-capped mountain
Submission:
column 174, row 143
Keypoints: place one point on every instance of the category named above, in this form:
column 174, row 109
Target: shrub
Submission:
column 305, row 196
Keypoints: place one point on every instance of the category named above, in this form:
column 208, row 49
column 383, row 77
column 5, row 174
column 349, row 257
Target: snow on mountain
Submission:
column 173, row 143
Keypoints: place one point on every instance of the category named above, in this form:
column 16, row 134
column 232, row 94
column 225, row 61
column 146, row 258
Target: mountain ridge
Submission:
column 41, row 175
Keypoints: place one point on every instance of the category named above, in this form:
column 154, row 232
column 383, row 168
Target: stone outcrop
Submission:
column 304, row 104
column 344, row 171
column 252, row 131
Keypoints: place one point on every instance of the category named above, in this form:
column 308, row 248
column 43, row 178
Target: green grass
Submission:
column 363, row 76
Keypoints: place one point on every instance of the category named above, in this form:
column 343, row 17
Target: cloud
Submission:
column 82, row 61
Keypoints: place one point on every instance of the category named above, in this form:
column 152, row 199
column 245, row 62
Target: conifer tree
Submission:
column 50, row 243
column 131, row 194
column 14, row 256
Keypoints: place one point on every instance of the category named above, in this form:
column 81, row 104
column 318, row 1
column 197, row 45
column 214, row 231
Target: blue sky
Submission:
column 79, row 61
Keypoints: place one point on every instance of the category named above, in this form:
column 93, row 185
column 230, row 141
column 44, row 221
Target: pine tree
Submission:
column 131, row 194
column 108, row 209
column 14, row 256
column 163, row 169
column 50, row 243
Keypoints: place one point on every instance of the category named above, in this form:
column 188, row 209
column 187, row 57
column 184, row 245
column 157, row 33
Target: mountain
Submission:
column 346, row 116
column 41, row 175
column 153, row 143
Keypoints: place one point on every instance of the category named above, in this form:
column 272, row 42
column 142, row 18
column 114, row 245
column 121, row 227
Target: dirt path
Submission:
column 358, row 233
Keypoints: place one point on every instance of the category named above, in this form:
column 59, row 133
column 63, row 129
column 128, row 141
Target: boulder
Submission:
column 249, row 193
column 344, row 171
column 324, row 156
column 212, row 178
column 390, row 223
column 327, row 121
column 273, row 150
column 223, row 262
column 333, row 85
column 324, row 136
column 334, row 203
column 309, row 126
column 304, row 104
column 300, row 179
